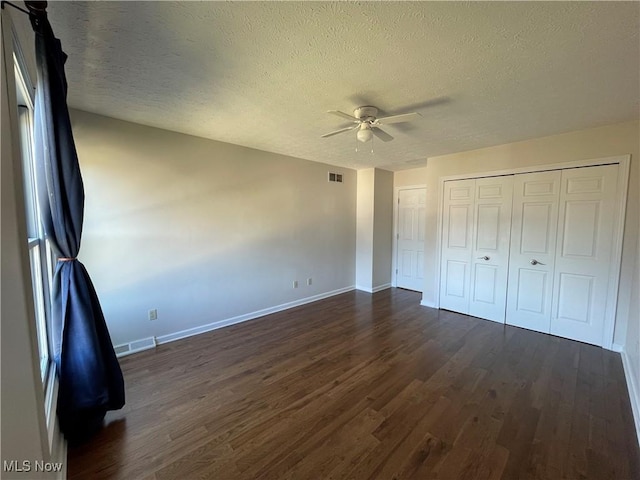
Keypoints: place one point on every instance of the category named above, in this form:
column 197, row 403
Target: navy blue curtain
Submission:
column 90, row 379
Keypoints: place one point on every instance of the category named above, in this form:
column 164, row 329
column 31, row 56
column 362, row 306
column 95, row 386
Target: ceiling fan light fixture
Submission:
column 364, row 133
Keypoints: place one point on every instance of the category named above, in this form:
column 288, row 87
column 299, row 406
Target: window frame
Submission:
column 41, row 255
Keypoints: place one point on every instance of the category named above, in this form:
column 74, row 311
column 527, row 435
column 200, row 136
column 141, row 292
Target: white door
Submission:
column 532, row 255
column 490, row 247
column 410, row 238
column 457, row 226
column 583, row 252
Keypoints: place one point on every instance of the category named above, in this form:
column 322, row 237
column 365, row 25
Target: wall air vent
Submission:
column 135, row 346
column 335, row 177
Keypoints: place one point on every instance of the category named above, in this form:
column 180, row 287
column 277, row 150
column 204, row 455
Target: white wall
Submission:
column 205, row 231
column 24, row 430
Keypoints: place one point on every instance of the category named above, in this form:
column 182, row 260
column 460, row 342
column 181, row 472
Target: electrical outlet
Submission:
column 153, row 314
column 295, row 284
column 309, row 281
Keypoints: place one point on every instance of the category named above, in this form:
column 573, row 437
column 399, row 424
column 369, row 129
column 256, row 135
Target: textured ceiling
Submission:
column 263, row 74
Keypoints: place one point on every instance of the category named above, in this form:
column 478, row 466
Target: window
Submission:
column 41, row 255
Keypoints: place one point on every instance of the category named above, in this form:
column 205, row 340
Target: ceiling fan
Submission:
column 368, row 124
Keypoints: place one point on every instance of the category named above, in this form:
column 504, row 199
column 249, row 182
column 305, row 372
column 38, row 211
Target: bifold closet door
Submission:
column 475, row 252
column 561, row 251
column 490, row 247
column 457, row 222
column 587, row 216
column 533, row 249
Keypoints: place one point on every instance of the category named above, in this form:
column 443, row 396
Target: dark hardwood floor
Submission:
column 362, row 386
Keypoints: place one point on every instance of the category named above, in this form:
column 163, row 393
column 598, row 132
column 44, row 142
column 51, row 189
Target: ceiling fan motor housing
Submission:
column 365, row 113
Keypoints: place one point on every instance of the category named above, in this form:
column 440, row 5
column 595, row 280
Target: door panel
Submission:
column 532, row 254
column 532, row 291
column 407, row 225
column 538, row 221
column 575, row 296
column 420, row 267
column 485, row 283
column 456, row 282
column 581, row 280
column 580, row 229
column 488, row 227
column 490, row 255
column 410, row 241
column 459, row 219
column 457, row 222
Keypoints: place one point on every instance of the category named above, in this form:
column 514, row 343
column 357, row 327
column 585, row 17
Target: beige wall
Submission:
column 364, row 238
column 598, row 142
column 632, row 345
column 205, row 231
column 375, row 227
column 382, row 228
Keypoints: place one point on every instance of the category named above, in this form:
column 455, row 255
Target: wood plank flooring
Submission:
column 362, row 386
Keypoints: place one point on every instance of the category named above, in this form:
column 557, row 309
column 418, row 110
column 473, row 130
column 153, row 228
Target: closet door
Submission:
column 533, row 247
column 457, row 224
column 490, row 255
column 584, row 249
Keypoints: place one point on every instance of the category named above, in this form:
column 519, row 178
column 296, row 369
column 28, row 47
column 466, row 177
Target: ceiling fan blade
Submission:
column 405, row 117
column 381, row 134
column 343, row 115
column 339, row 131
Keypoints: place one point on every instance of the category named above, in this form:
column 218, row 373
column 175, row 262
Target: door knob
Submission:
column 536, row 262
column 485, row 258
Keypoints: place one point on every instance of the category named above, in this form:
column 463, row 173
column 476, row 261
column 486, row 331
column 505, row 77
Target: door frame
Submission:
column 624, row 163
column 396, row 231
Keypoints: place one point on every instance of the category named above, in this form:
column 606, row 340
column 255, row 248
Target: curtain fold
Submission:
column 90, row 379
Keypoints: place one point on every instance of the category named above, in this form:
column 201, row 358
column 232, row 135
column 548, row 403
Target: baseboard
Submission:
column 426, row 303
column 229, row 321
column 379, row 288
column 634, row 390
column 143, row 344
